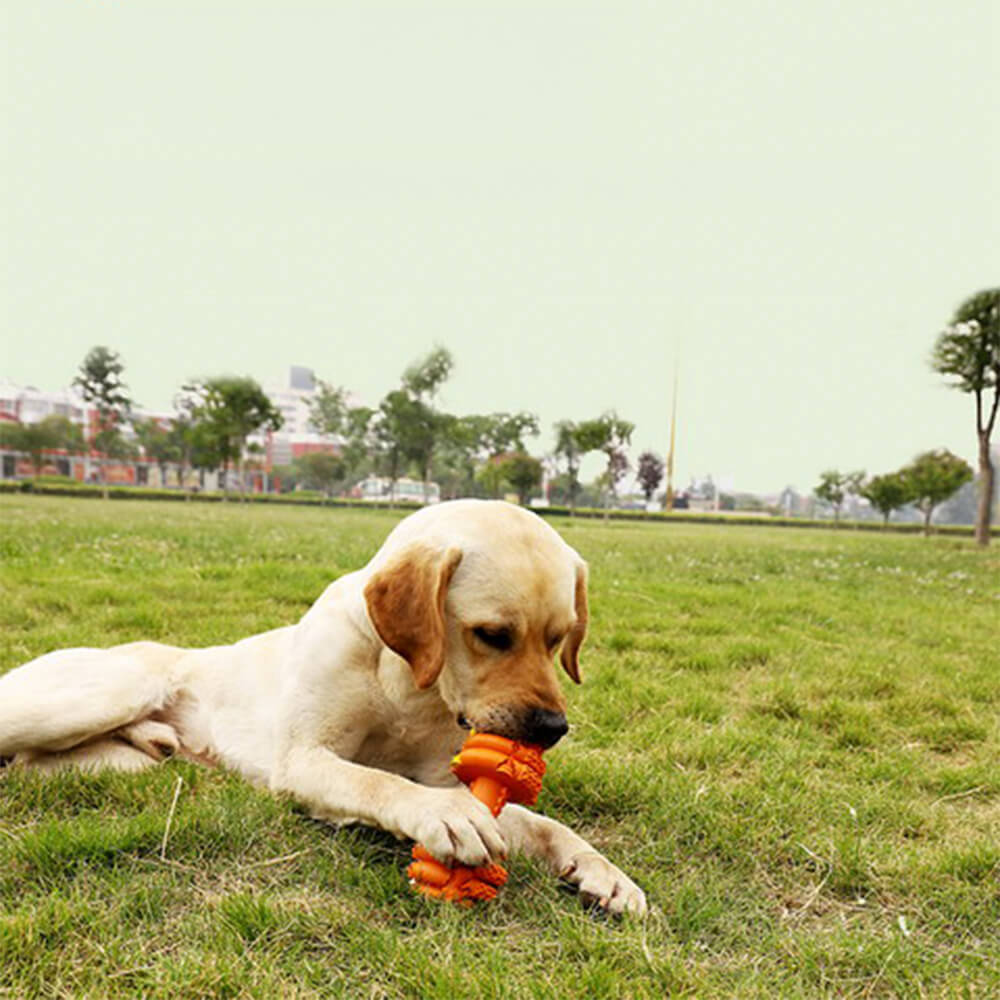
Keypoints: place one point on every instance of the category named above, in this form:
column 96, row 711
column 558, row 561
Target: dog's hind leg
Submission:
column 98, row 755
column 68, row 698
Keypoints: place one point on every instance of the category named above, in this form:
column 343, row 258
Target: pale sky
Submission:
column 790, row 198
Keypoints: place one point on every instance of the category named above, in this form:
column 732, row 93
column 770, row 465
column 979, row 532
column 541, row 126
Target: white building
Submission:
column 29, row 405
column 297, row 436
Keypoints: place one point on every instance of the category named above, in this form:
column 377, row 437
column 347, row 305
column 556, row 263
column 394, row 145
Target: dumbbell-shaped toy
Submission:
column 497, row 771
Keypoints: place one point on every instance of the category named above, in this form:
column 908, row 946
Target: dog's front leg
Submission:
column 450, row 822
column 573, row 859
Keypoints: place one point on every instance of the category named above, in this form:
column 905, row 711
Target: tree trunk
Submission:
column 927, row 519
column 986, row 479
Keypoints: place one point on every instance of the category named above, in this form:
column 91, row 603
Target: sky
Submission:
column 782, row 202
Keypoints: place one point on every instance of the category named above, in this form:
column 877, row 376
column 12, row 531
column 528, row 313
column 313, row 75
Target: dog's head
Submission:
column 480, row 598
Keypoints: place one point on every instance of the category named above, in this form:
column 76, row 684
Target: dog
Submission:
column 357, row 710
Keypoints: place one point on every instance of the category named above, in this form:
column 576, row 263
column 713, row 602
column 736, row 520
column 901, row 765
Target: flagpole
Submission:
column 670, row 454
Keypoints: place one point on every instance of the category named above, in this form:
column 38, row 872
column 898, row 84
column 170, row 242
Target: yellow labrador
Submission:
column 357, row 710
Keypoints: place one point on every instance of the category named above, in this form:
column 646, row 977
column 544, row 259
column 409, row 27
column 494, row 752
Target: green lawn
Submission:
column 788, row 738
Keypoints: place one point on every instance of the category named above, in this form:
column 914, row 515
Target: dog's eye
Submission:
column 497, row 638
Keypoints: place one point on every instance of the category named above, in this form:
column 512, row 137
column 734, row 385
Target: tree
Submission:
column 886, row 493
column 110, row 442
column 331, row 415
column 481, row 440
column 157, row 444
column 614, row 436
column 100, row 383
column 407, row 427
column 573, row 441
column 933, row 477
column 424, row 377
column 228, row 410
column 52, row 433
column 834, row 487
column 968, row 350
column 650, row 474
column 459, row 452
column 505, row 432
column 523, row 472
column 181, row 435
column 321, row 470
column 328, row 409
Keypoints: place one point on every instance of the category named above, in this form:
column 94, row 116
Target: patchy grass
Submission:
column 789, row 738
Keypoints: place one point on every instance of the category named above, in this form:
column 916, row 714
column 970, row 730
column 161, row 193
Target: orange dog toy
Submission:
column 497, row 771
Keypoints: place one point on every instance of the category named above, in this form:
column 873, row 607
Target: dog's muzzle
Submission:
column 545, row 728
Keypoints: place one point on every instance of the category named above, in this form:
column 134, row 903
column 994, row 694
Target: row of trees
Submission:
column 967, row 353
column 929, row 480
column 469, row 455
column 483, row 453
column 407, row 432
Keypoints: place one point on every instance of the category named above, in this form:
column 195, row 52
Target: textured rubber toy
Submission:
column 497, row 771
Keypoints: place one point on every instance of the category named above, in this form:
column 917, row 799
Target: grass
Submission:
column 789, row 738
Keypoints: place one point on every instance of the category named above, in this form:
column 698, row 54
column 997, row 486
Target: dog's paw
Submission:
column 455, row 826
column 156, row 739
column 601, row 883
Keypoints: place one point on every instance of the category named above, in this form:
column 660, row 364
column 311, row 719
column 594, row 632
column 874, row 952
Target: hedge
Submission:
column 51, row 487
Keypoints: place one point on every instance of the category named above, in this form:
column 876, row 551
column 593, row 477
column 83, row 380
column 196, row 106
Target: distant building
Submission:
column 292, row 397
column 297, row 436
column 29, row 405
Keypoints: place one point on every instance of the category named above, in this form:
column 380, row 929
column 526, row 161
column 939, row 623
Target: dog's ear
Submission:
column 405, row 600
column 571, row 647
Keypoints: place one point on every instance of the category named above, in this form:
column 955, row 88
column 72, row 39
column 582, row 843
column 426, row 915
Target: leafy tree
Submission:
column 321, row 470
column 157, row 444
column 568, row 449
column 968, row 350
column 407, row 427
column 424, row 377
column 573, row 441
column 52, row 433
column 523, row 472
column 395, row 435
column 459, row 452
column 933, row 477
column 100, row 383
column 330, row 414
column 328, row 409
column 182, row 437
column 614, row 435
column 481, row 440
column 10, row 434
column 834, row 488
column 228, row 409
column 505, row 432
column 650, row 474
column 110, row 441
column 886, row 493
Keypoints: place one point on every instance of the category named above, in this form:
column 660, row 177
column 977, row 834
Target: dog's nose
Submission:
column 545, row 728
